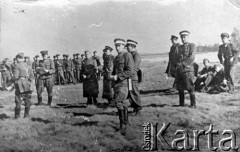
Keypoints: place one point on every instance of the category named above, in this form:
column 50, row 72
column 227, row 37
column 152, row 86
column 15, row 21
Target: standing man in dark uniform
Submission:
column 68, row 66
column 97, row 58
column 185, row 71
column 173, row 54
column 22, row 77
column 54, row 75
column 78, row 67
column 230, row 55
column 122, row 72
column 108, row 59
column 59, row 68
column 35, row 65
column 90, row 82
column 13, row 65
column 45, row 70
column 134, row 94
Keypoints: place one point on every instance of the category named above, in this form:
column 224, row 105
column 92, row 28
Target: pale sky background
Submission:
column 71, row 26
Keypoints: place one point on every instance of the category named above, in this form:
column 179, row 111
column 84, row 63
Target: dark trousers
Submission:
column 45, row 83
column 134, row 95
column 70, row 77
column 77, row 75
column 229, row 73
column 26, row 97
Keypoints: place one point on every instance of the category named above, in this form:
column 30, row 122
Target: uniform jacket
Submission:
column 59, row 65
column 89, row 68
column 123, row 67
column 173, row 58
column 22, row 77
column 227, row 52
column 97, row 58
column 48, row 64
column 35, row 64
column 186, row 56
column 68, row 65
column 108, row 65
column 137, row 61
column 77, row 63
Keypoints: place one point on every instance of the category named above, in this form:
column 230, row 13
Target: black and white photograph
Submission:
column 119, row 75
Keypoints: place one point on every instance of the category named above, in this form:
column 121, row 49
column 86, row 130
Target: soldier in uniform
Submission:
column 122, row 72
column 185, row 71
column 134, row 94
column 27, row 60
column 13, row 65
column 35, row 65
column 22, row 77
column 78, row 67
column 173, row 54
column 230, row 55
column 45, row 70
column 6, row 70
column 201, row 82
column 68, row 66
column 54, row 75
column 108, row 59
column 90, row 82
column 59, row 68
column 97, row 58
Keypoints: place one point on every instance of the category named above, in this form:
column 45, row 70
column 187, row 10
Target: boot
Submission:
column 26, row 114
column 181, row 99
column 126, row 122
column 121, row 119
column 17, row 113
column 193, row 100
column 95, row 100
column 50, row 101
column 89, row 100
column 39, row 101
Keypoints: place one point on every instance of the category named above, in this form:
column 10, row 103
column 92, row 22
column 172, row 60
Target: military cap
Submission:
column 44, row 52
column 36, row 56
column 119, row 41
column 66, row 55
column 20, row 55
column 49, row 57
column 77, row 54
column 173, row 37
column 57, row 54
column 74, row 54
column 82, row 54
column 107, row 48
column 225, row 35
column 94, row 51
column 131, row 42
column 86, row 51
column 26, row 57
column 184, row 33
column 205, row 59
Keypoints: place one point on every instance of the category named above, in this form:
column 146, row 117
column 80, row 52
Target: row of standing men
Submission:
column 120, row 78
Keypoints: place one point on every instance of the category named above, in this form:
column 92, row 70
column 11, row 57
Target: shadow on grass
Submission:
column 41, row 120
column 69, row 106
column 4, row 116
column 1, row 106
column 160, row 92
column 86, row 123
column 155, row 105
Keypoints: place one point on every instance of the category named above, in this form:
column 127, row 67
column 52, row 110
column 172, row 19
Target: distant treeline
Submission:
column 235, row 39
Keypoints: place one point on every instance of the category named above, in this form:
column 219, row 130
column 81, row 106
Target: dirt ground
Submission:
column 71, row 126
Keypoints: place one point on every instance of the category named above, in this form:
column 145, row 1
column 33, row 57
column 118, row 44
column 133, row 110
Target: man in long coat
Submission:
column 108, row 59
column 90, row 81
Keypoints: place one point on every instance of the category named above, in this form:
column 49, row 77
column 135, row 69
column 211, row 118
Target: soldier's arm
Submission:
column 52, row 67
column 191, row 56
column 220, row 55
column 16, row 72
column 128, row 69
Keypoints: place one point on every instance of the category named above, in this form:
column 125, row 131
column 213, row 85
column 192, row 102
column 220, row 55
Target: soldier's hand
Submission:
column 84, row 76
column 231, row 59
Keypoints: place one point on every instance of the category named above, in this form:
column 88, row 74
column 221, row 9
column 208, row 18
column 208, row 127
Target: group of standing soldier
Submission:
column 182, row 67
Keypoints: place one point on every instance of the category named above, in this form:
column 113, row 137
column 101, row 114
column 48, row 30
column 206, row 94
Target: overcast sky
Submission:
column 70, row 26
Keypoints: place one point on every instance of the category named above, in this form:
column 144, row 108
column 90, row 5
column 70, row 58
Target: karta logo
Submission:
column 155, row 139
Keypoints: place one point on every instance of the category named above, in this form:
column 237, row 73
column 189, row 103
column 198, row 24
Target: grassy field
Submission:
column 71, row 126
